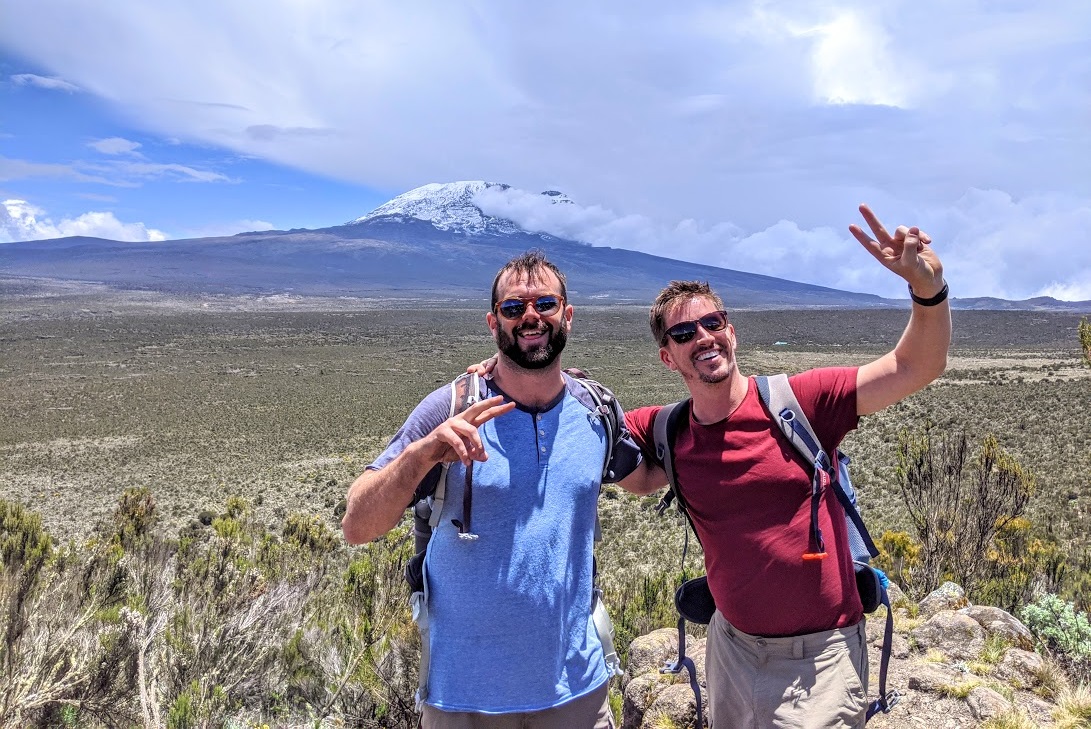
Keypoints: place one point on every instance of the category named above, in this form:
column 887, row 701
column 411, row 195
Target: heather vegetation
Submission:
column 170, row 486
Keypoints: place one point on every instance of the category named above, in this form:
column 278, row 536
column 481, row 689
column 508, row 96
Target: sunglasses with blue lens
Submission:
column 514, row 308
column 684, row 331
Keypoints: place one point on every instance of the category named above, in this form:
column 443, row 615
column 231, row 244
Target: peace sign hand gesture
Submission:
column 457, row 438
column 908, row 253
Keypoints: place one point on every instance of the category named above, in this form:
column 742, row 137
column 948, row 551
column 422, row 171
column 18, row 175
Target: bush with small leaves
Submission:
column 1063, row 631
column 1059, row 625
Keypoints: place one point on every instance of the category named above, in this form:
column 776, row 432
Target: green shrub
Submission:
column 1059, row 626
column 959, row 502
column 134, row 518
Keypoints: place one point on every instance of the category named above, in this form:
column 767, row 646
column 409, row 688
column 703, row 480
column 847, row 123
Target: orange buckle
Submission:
column 810, row 556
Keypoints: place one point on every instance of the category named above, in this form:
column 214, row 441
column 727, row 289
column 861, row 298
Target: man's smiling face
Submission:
column 710, row 355
column 535, row 339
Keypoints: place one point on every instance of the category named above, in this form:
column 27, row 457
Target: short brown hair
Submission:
column 676, row 293
column 530, row 264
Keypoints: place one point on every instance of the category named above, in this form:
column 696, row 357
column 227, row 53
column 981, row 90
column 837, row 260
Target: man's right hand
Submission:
column 482, row 368
column 457, row 438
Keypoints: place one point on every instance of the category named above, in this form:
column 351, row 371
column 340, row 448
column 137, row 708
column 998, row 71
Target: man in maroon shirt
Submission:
column 786, row 646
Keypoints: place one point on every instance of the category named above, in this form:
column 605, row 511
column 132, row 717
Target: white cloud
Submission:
column 153, row 170
column 20, row 220
column 845, row 75
column 19, row 169
column 115, row 145
column 44, row 82
column 990, row 244
column 119, row 173
column 743, row 132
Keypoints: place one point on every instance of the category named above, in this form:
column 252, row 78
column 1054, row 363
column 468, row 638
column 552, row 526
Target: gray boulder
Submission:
column 640, row 693
column 1020, row 668
column 956, row 635
column 674, row 706
column 986, row 704
column 649, row 652
column 1001, row 623
column 947, row 596
column 897, row 597
column 932, row 678
column 899, row 646
column 651, row 698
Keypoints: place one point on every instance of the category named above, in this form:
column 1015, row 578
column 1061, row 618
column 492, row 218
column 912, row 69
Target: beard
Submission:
column 715, row 378
column 538, row 357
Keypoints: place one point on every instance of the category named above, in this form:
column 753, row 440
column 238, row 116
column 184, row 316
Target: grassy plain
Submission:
column 284, row 408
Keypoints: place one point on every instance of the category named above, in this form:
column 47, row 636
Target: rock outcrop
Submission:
column 955, row 664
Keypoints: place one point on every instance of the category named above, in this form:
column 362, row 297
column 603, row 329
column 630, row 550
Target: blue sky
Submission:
column 740, row 134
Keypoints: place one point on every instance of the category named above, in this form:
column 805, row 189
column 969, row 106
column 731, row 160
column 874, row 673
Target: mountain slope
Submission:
column 431, row 244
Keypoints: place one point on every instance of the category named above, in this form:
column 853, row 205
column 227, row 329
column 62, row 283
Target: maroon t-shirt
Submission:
column 748, row 492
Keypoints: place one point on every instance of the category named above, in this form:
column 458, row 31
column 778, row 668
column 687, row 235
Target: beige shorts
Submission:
column 809, row 681
column 590, row 711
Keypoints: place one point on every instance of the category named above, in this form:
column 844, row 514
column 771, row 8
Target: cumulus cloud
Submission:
column 742, row 132
column 115, row 145
column 44, row 82
column 990, row 244
column 20, row 220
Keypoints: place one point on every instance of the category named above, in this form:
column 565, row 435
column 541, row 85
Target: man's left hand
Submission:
column 908, row 253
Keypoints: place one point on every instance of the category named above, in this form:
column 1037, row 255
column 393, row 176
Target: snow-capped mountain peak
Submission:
column 451, row 206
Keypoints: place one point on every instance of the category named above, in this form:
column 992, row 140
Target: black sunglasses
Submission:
column 515, row 308
column 684, row 331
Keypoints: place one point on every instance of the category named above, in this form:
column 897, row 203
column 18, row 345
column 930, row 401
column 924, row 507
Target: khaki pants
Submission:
column 814, row 681
column 590, row 711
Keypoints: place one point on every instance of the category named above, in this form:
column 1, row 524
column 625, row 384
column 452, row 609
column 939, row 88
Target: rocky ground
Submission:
column 955, row 665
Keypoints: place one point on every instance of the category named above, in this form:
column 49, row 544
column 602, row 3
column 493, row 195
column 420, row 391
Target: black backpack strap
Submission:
column 664, row 434
column 886, row 700
column 609, row 411
column 685, row 662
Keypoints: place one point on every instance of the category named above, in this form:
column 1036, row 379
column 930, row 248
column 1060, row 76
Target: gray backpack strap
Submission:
column 465, row 391
column 776, row 392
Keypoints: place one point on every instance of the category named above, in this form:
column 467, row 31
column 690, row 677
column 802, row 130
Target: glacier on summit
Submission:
column 452, row 207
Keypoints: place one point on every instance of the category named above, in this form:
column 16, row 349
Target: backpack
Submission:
column 693, row 598
column 430, row 497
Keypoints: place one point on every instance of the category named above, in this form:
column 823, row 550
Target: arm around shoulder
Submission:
column 646, row 479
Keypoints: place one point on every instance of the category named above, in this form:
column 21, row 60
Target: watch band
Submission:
column 938, row 298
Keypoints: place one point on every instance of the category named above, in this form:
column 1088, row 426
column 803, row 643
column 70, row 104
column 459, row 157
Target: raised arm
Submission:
column 921, row 354
column 377, row 499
